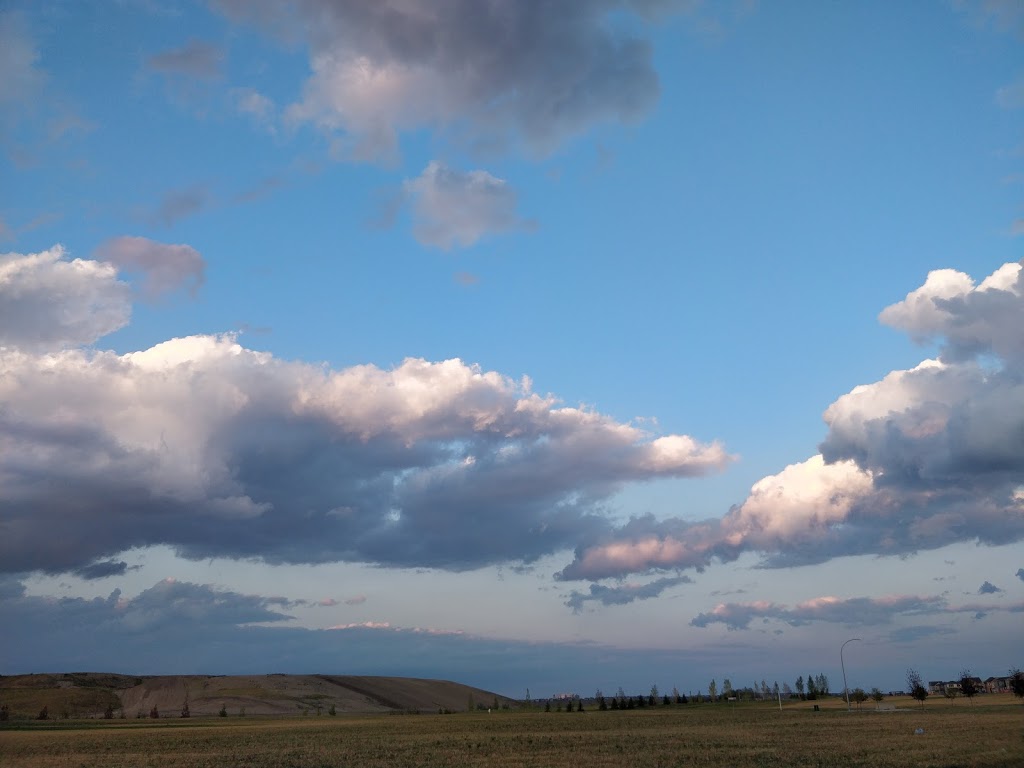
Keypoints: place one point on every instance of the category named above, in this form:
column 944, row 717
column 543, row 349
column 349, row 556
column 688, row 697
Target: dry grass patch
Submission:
column 684, row 736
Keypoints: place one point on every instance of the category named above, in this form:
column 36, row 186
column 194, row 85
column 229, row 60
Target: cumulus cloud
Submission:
column 1020, row 574
column 49, row 302
column 988, row 588
column 218, row 450
column 494, row 73
column 453, row 208
column 623, row 594
column 924, row 458
column 196, row 58
column 165, row 268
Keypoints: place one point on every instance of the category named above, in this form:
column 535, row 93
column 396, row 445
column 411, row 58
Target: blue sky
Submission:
column 530, row 344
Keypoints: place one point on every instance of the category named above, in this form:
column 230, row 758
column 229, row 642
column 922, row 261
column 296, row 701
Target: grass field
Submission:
column 703, row 735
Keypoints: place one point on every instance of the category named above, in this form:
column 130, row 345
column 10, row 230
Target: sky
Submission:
column 535, row 345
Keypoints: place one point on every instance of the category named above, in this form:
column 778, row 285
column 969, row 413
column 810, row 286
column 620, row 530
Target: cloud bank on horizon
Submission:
column 218, row 450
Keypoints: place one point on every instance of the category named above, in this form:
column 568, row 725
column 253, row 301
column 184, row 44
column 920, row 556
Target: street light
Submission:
column 846, row 688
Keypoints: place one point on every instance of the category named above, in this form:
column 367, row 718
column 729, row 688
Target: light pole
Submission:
column 846, row 688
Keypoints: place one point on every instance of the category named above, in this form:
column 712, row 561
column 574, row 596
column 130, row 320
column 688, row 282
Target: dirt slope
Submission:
column 90, row 694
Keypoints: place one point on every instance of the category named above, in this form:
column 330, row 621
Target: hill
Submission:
column 90, row 694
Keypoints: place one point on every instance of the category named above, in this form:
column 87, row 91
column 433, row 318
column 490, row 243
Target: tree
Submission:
column 859, row 696
column 877, row 695
column 1017, row 683
column 968, row 685
column 916, row 686
column 5, row 713
column 675, row 696
column 154, row 713
column 787, row 691
column 224, row 710
column 800, row 686
column 712, row 690
column 727, row 690
column 950, row 693
column 602, row 705
column 547, row 705
column 44, row 713
column 108, row 713
column 665, row 700
column 579, row 705
column 821, row 684
column 812, row 689
column 185, row 712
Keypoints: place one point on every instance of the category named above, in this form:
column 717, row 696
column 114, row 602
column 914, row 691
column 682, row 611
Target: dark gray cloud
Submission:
column 491, row 74
column 217, row 450
column 988, row 588
column 1020, row 574
column 623, row 594
column 101, row 569
column 196, row 58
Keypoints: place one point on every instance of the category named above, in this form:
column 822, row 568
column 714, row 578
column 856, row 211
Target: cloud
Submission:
column 1011, row 96
column 917, row 633
column 1003, row 15
column 102, row 569
column 854, row 611
column 20, row 76
column 182, row 628
column 467, row 279
column 492, row 74
column 1020, row 574
column 179, row 204
column 988, row 588
column 196, row 58
column 218, row 450
column 48, row 302
column 456, row 209
column 924, row 458
column 165, row 268
column 256, row 106
column 624, row 594
column 356, row 600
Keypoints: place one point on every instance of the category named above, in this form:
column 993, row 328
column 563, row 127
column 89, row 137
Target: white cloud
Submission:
column 219, row 450
column 456, row 209
column 923, row 458
column 165, row 268
column 48, row 302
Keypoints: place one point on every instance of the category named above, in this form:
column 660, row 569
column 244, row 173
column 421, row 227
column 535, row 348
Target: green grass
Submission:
column 706, row 735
